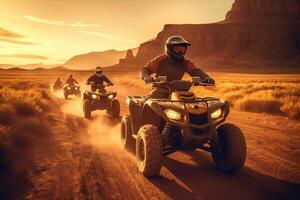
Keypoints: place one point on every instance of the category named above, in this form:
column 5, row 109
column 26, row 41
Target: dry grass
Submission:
column 24, row 128
column 275, row 94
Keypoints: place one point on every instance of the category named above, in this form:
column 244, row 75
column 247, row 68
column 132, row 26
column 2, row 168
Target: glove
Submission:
column 209, row 80
column 148, row 79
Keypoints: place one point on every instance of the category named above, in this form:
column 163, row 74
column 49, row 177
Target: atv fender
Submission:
column 224, row 105
column 152, row 113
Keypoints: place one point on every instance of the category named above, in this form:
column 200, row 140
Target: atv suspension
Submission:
column 171, row 139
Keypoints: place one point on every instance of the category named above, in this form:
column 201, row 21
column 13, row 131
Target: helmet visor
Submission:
column 179, row 49
column 98, row 71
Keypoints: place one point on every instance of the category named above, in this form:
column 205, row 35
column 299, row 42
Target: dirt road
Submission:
column 90, row 164
column 81, row 159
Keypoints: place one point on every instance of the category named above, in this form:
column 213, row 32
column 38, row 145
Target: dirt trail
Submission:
column 90, row 164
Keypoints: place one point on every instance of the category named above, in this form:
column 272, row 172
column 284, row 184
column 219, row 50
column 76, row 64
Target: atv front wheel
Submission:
column 115, row 108
column 127, row 140
column 65, row 95
column 229, row 148
column 87, row 109
column 149, row 150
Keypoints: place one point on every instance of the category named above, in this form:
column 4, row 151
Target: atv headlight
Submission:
column 69, row 88
column 216, row 114
column 94, row 96
column 110, row 96
column 172, row 114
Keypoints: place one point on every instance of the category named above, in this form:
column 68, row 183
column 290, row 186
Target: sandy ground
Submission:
column 89, row 163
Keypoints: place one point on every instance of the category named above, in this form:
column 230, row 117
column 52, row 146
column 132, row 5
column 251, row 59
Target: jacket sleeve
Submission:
column 106, row 79
column 192, row 70
column 151, row 66
column 89, row 80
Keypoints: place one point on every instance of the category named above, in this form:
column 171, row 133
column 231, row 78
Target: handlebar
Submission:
column 93, row 84
column 193, row 82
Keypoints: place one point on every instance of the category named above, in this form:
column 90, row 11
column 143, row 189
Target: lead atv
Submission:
column 71, row 90
column 100, row 99
column 158, row 127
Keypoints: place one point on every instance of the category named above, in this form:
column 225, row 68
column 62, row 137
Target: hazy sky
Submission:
column 51, row 31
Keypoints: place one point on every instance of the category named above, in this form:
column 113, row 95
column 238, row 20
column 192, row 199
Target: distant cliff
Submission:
column 264, row 10
column 91, row 60
column 255, row 33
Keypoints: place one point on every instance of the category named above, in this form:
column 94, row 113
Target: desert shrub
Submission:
column 291, row 106
column 2, row 98
column 43, row 104
column 46, row 94
column 25, row 108
column 43, row 85
column 259, row 105
column 7, row 114
column 29, row 133
column 23, row 85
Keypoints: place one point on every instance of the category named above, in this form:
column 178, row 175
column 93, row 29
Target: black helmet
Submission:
column 176, row 41
column 70, row 75
column 98, row 70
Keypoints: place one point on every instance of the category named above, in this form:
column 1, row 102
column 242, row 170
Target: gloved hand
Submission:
column 148, row 79
column 209, row 80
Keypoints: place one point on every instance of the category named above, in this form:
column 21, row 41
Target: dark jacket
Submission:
column 163, row 65
column 58, row 83
column 71, row 81
column 98, row 81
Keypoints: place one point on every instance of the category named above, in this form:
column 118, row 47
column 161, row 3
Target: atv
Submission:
column 71, row 90
column 158, row 127
column 100, row 99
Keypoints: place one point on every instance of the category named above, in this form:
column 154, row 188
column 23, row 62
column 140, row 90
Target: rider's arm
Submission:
column 89, row 80
column 75, row 81
column 151, row 67
column 192, row 70
column 107, row 80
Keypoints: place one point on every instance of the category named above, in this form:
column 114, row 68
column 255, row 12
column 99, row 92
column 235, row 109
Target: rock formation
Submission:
column 255, row 33
column 264, row 10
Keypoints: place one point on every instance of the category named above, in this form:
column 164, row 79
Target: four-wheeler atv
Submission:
column 100, row 99
column 71, row 90
column 157, row 127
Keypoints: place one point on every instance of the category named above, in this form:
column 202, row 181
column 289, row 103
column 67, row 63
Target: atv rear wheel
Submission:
column 115, row 108
column 229, row 148
column 87, row 109
column 127, row 140
column 149, row 150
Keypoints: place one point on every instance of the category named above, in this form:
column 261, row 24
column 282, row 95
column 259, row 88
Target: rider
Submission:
column 173, row 64
column 58, row 83
column 71, row 81
column 97, row 80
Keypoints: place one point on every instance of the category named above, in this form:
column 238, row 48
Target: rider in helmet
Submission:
column 173, row 64
column 98, row 79
column 71, row 81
